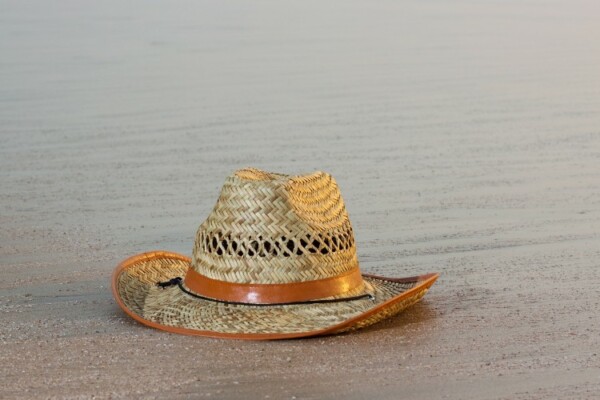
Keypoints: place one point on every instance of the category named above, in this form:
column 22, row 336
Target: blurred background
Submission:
column 148, row 105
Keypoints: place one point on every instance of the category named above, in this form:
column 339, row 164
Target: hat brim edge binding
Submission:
column 423, row 282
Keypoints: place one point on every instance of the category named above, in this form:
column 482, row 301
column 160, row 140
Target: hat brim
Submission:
column 134, row 286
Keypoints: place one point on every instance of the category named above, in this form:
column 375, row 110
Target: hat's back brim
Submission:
column 134, row 286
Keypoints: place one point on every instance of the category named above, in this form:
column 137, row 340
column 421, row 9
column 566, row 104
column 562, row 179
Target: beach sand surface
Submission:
column 465, row 138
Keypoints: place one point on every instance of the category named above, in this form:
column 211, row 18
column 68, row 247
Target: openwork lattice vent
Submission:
column 224, row 244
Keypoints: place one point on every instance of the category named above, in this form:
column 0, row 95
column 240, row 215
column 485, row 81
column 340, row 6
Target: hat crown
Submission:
column 270, row 228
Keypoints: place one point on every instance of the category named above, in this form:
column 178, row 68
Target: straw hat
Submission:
column 275, row 259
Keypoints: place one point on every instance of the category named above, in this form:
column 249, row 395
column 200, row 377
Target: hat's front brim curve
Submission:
column 135, row 290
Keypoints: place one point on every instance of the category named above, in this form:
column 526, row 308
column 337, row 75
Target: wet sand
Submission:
column 465, row 138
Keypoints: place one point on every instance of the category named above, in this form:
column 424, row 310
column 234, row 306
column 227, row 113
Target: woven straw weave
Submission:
column 172, row 307
column 273, row 228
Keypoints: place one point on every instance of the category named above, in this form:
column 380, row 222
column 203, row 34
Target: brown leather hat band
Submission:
column 273, row 293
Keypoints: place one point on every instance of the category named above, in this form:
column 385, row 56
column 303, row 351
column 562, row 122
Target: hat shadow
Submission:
column 419, row 313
